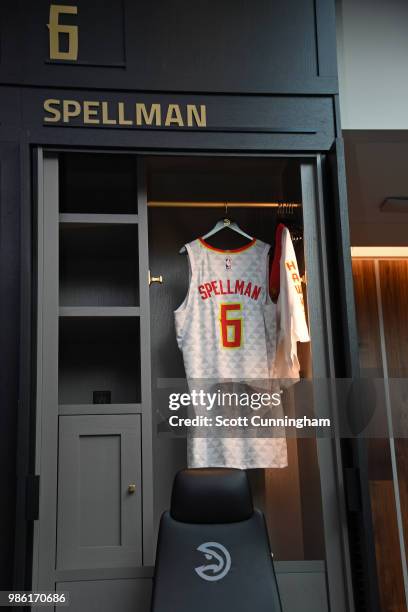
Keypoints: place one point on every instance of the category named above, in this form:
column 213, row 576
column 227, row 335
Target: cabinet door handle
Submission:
column 131, row 489
column 155, row 279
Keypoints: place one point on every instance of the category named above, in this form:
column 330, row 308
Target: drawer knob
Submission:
column 155, row 279
column 131, row 489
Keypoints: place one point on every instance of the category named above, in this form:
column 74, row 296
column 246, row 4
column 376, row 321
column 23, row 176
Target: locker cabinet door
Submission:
column 99, row 492
column 107, row 595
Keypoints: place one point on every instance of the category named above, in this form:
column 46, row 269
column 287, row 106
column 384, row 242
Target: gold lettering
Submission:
column 97, row 112
column 55, row 112
column 56, row 28
column 142, row 116
column 193, row 115
column 67, row 113
column 105, row 118
column 174, row 115
column 121, row 115
column 90, row 110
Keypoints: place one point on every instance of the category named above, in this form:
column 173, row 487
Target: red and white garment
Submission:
column 285, row 287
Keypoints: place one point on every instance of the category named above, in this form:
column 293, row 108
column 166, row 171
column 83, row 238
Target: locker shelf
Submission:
column 98, row 183
column 99, row 354
column 96, row 219
column 99, row 311
column 74, row 409
column 99, row 265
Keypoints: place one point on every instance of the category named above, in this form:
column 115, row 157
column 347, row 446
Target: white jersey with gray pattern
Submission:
column 226, row 330
column 226, row 326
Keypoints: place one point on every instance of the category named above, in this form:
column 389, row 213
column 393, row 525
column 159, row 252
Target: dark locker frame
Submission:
column 336, row 545
column 343, row 318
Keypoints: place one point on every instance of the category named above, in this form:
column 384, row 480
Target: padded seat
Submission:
column 213, row 551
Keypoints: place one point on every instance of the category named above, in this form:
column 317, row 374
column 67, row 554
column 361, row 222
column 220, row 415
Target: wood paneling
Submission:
column 367, row 317
column 387, row 546
column 365, row 292
column 394, row 293
column 401, row 449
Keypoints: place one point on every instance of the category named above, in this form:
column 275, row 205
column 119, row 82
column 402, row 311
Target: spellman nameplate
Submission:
column 256, row 122
column 118, row 113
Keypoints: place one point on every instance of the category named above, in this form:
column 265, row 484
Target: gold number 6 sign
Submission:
column 56, row 28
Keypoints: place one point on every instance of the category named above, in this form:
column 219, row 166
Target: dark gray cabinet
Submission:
column 99, row 491
column 94, row 433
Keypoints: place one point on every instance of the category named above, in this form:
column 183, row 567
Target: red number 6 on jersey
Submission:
column 231, row 328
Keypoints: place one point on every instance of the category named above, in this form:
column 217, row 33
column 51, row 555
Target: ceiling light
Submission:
column 376, row 252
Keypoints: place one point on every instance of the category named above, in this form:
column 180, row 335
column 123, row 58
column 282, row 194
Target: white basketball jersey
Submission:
column 229, row 329
column 226, row 326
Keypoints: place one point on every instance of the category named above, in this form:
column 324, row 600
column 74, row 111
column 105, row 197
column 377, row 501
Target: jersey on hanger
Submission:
column 226, row 326
column 291, row 323
column 226, row 329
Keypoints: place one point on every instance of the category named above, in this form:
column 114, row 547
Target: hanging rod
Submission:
column 201, row 204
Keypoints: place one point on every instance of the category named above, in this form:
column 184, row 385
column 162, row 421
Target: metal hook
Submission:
column 226, row 220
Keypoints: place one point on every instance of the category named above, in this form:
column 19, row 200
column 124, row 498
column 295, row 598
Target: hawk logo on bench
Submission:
column 213, row 551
